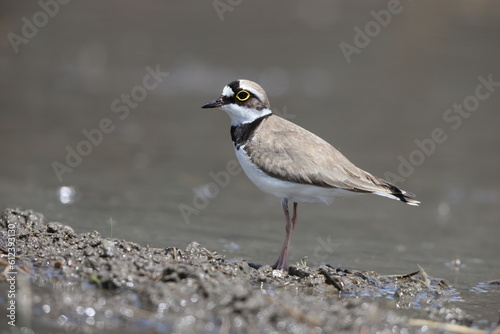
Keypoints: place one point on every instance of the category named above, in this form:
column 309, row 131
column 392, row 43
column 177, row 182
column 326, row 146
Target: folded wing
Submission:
column 288, row 152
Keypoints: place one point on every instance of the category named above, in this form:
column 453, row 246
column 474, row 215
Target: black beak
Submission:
column 214, row 104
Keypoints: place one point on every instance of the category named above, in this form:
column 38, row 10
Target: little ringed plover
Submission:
column 289, row 162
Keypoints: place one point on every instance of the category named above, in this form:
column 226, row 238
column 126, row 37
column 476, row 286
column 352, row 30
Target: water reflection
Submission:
column 66, row 195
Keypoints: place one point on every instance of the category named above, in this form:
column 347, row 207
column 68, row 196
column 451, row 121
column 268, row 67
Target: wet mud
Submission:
column 84, row 283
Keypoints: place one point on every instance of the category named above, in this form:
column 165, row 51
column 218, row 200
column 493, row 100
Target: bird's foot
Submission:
column 274, row 266
column 281, row 264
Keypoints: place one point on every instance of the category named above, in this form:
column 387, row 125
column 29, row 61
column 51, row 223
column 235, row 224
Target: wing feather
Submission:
column 286, row 151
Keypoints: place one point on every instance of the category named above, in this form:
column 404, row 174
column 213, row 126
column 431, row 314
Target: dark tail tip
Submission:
column 403, row 196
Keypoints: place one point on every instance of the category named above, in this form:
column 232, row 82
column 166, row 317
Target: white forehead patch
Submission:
column 227, row 91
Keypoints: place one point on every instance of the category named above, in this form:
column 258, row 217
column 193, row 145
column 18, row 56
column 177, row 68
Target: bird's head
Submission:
column 243, row 100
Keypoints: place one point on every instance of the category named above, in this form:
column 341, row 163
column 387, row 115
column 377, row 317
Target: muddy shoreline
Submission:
column 84, row 283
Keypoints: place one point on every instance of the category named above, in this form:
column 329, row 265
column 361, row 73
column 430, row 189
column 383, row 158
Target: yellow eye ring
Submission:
column 243, row 95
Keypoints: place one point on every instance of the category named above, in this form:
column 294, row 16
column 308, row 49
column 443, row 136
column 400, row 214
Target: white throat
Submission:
column 240, row 115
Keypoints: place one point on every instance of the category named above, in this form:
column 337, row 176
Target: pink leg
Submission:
column 294, row 218
column 282, row 262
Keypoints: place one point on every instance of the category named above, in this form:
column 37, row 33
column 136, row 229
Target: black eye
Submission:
column 243, row 95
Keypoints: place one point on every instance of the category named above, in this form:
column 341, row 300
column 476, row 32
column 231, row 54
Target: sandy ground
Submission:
column 84, row 283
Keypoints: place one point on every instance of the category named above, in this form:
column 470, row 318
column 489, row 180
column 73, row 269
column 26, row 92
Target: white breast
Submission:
column 300, row 193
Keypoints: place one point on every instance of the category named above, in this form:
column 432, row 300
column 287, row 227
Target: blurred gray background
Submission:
column 65, row 68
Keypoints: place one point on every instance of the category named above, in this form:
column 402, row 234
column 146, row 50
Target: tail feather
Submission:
column 398, row 194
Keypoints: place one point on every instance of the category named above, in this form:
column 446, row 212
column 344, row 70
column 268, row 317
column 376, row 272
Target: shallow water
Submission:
column 395, row 92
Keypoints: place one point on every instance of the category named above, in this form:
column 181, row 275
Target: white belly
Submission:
column 295, row 192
